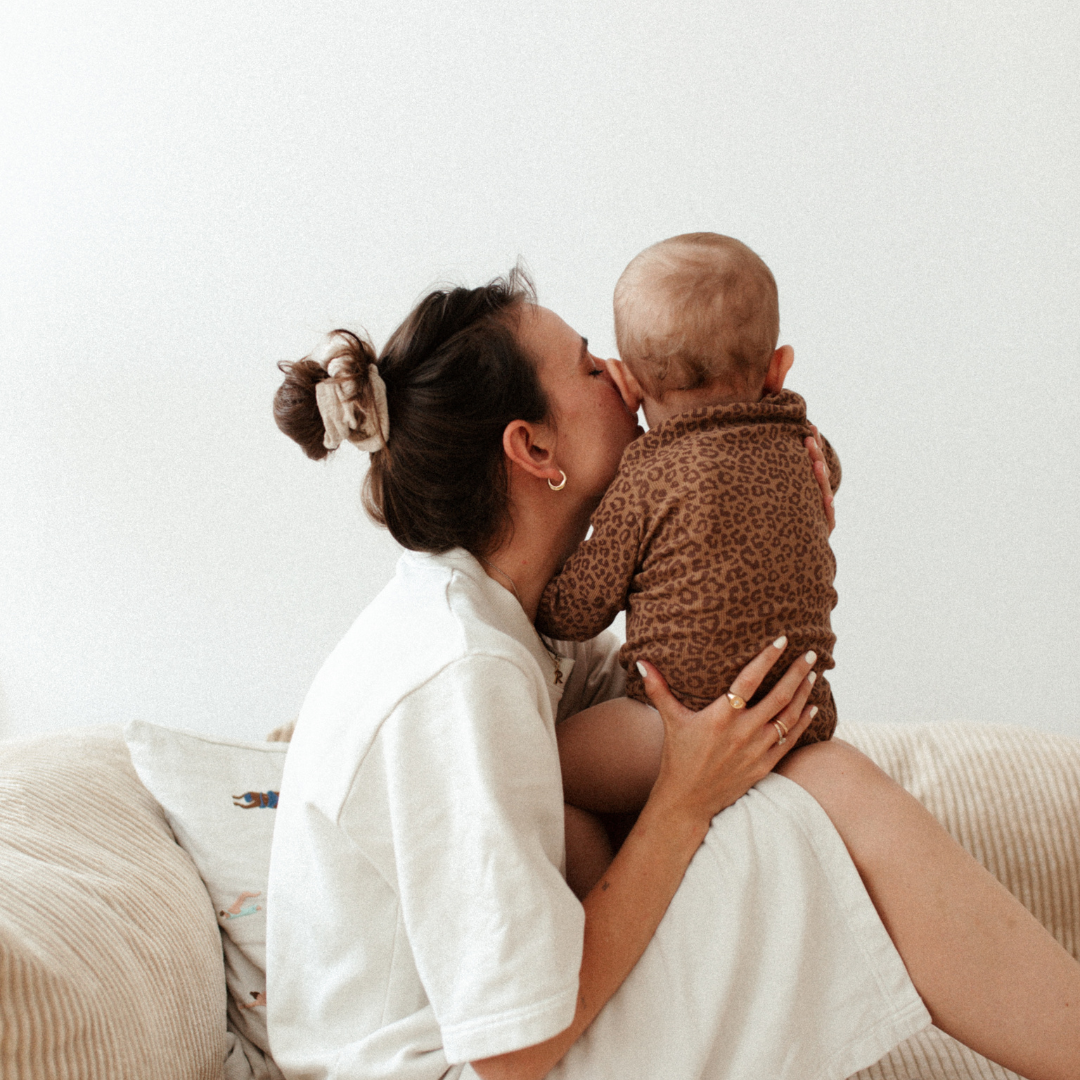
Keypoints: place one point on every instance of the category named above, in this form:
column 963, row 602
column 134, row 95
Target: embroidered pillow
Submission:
column 220, row 798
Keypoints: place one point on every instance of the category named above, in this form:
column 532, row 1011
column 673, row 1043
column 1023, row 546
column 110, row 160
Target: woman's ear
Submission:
column 779, row 366
column 531, row 447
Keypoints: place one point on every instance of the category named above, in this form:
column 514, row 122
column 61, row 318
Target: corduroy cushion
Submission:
column 1011, row 797
column 110, row 958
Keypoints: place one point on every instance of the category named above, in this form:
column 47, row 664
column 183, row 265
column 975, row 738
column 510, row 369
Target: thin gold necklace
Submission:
column 504, row 574
column 555, row 659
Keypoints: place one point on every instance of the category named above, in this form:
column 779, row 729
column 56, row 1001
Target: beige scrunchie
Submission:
column 342, row 415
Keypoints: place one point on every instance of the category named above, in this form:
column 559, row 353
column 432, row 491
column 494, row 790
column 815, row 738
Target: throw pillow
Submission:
column 220, row 798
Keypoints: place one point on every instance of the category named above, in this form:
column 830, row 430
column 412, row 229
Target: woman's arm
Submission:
column 710, row 759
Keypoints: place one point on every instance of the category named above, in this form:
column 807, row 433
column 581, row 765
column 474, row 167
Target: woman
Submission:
column 418, row 917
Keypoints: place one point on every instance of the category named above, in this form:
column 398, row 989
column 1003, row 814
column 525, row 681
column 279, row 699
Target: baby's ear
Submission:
column 779, row 366
column 625, row 383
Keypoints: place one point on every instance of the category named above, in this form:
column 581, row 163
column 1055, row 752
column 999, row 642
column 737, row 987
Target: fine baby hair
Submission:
column 696, row 310
column 430, row 408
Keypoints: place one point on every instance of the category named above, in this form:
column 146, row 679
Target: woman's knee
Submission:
column 821, row 760
column 840, row 777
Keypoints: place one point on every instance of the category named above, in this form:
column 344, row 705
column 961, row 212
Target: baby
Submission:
column 712, row 535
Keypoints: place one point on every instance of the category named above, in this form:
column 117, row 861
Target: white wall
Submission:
column 193, row 191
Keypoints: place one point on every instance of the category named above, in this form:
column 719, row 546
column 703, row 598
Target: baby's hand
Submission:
column 624, row 383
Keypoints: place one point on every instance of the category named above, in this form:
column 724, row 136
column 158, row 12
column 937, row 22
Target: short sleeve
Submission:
column 475, row 805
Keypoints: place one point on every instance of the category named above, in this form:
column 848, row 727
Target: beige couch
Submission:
column 110, row 955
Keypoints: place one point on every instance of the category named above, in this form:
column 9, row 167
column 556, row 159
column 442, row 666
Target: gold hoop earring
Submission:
column 560, row 485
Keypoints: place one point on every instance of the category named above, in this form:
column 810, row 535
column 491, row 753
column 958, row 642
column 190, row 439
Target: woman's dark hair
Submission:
column 455, row 376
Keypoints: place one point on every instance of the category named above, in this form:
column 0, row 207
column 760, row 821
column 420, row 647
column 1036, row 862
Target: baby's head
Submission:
column 698, row 312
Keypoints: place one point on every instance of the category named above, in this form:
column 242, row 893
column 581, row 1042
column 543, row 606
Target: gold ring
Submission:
column 779, row 731
column 781, row 725
column 736, row 701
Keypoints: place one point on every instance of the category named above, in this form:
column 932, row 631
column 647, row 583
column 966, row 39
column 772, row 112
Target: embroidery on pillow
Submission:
column 252, row 799
column 241, row 906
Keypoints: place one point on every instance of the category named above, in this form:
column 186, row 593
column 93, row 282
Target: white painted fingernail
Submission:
column 642, row 670
column 813, row 712
column 811, row 657
column 780, row 642
column 811, row 678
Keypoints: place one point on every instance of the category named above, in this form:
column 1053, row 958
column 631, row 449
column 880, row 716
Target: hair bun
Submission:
column 343, row 345
column 355, row 402
column 296, row 411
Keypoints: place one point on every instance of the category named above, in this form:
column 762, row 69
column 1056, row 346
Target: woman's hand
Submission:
column 713, row 757
column 821, row 474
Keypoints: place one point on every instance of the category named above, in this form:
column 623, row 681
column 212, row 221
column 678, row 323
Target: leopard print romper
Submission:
column 713, row 538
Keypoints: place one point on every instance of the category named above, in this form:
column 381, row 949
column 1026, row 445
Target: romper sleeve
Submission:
column 475, row 806
column 593, row 584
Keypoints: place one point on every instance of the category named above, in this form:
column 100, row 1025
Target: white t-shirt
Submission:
column 417, row 912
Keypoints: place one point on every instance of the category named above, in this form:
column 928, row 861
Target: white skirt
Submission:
column 770, row 964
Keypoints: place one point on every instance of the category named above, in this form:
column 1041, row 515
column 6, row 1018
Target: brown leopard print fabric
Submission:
column 713, row 538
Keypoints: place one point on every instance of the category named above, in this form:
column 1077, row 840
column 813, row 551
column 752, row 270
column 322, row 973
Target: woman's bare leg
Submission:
column 989, row 973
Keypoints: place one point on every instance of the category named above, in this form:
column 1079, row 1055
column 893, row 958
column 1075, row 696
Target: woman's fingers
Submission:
column 787, row 689
column 821, row 475
column 743, row 687
column 787, row 697
column 751, row 676
column 663, row 700
column 817, row 451
column 794, row 719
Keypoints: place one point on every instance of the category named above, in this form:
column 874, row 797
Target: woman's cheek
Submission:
column 633, row 428
column 622, row 437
